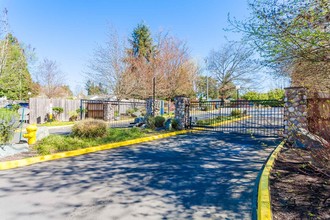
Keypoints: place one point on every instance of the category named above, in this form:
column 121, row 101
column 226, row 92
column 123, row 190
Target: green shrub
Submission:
column 89, row 128
column 175, row 124
column 9, row 121
column 15, row 107
column 150, row 122
column 236, row 113
column 159, row 121
column 57, row 111
column 129, row 111
column 82, row 110
column 73, row 116
column 205, row 107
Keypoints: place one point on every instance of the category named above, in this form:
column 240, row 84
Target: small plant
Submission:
column 116, row 113
column 73, row 116
column 89, row 128
column 82, row 110
column 57, row 111
column 150, row 122
column 175, row 124
column 8, row 122
column 205, row 108
column 159, row 121
column 129, row 111
column 15, row 107
column 236, row 113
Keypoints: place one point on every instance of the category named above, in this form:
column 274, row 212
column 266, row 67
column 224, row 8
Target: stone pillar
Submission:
column 182, row 111
column 108, row 112
column 295, row 111
column 149, row 107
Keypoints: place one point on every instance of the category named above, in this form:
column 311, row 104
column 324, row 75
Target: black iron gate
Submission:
column 117, row 113
column 257, row 117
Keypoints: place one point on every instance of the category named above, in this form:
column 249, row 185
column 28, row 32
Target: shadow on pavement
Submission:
column 204, row 175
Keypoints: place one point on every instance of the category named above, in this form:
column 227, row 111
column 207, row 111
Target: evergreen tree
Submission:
column 93, row 89
column 15, row 79
column 142, row 42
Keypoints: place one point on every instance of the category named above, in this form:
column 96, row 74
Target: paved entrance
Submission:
column 206, row 175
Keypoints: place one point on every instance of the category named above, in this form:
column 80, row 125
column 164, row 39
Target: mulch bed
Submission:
column 30, row 153
column 297, row 191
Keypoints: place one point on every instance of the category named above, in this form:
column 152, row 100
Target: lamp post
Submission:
column 207, row 82
column 237, row 91
column 207, row 88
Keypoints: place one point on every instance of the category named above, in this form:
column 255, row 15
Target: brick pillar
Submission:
column 108, row 112
column 182, row 111
column 149, row 107
column 295, row 111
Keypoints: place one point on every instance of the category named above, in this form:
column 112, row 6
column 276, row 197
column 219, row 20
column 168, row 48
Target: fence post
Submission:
column 108, row 111
column 81, row 109
column 295, row 111
column 182, row 111
column 149, row 107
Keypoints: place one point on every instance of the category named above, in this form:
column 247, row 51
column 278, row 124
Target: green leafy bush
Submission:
column 82, row 110
column 236, row 113
column 175, row 124
column 150, row 122
column 159, row 121
column 130, row 111
column 15, row 107
column 89, row 128
column 73, row 116
column 57, row 111
column 8, row 123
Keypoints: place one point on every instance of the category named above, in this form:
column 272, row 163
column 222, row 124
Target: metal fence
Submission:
column 116, row 113
column 257, row 117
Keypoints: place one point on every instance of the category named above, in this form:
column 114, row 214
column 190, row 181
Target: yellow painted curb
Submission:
column 224, row 122
column 230, row 121
column 264, row 203
column 32, row 160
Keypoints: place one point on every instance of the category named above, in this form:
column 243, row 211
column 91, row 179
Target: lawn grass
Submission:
column 60, row 143
column 211, row 121
column 57, row 123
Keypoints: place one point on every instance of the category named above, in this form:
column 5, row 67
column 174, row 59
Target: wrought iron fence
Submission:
column 258, row 117
column 116, row 113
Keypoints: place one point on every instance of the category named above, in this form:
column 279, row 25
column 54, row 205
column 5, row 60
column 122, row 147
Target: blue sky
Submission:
column 68, row 30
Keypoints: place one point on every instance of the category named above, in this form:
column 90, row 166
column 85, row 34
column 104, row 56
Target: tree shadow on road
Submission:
column 203, row 175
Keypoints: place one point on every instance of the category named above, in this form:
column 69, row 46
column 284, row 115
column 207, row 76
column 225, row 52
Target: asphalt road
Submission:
column 199, row 176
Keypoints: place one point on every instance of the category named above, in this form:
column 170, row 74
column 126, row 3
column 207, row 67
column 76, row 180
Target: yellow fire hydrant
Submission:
column 31, row 134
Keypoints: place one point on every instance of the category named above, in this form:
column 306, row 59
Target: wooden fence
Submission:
column 40, row 108
column 319, row 115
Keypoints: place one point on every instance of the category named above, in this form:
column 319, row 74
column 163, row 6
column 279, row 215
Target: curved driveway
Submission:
column 198, row 176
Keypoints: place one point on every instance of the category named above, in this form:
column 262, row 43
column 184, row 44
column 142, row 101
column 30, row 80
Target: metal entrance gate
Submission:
column 256, row 117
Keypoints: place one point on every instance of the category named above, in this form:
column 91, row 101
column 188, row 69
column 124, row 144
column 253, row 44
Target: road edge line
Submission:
column 6, row 165
column 264, row 211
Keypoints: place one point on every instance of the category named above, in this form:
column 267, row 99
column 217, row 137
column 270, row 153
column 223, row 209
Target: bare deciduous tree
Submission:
column 231, row 65
column 171, row 66
column 4, row 41
column 107, row 64
column 51, row 78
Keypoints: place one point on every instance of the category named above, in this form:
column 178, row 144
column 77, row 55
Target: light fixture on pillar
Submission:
column 237, row 91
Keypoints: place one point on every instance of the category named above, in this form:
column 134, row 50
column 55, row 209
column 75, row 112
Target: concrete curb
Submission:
column 231, row 120
column 264, row 203
column 224, row 122
column 32, row 160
